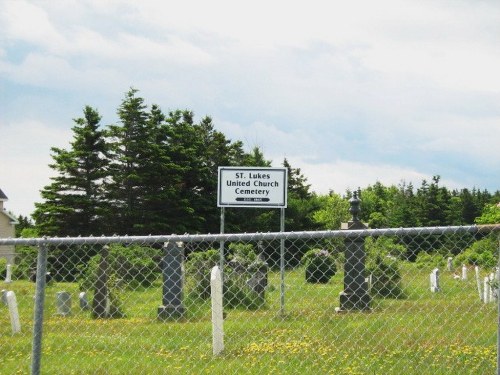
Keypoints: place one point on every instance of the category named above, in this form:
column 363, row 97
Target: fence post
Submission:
column 217, row 311
column 355, row 296
column 41, row 271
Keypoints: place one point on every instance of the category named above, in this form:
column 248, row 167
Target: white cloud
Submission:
column 25, row 156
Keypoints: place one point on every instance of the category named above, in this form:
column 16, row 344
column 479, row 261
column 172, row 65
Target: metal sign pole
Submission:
column 221, row 245
column 282, row 264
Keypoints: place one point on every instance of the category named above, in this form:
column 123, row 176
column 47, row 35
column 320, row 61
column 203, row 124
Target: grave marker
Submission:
column 13, row 311
column 450, row 264
column 464, row 272
column 478, row 282
column 434, row 278
column 486, row 298
column 8, row 275
column 63, row 303
column 84, row 303
column 173, row 280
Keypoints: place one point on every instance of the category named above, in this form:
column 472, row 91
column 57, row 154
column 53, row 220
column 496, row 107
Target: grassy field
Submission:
column 450, row 332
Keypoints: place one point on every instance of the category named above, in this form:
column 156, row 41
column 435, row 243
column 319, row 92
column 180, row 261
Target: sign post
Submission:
column 255, row 187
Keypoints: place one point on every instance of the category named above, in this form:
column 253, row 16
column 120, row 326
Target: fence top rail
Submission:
column 231, row 237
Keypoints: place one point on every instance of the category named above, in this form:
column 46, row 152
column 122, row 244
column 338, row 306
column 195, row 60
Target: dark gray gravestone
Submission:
column 100, row 302
column 173, row 280
column 355, row 296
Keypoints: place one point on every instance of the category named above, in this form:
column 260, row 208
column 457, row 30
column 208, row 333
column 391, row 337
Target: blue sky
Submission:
column 350, row 92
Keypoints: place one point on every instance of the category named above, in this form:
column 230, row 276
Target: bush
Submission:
column 482, row 253
column 383, row 264
column 198, row 268
column 3, row 268
column 243, row 263
column 319, row 265
column 131, row 266
column 426, row 260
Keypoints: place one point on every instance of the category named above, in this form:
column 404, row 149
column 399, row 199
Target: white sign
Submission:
column 252, row 187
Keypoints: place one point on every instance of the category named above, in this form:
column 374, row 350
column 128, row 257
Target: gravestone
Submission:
column 84, row 303
column 63, row 303
column 478, row 282
column 355, row 296
column 257, row 281
column 173, row 280
column 8, row 275
column 464, row 272
column 486, row 290
column 450, row 264
column 493, row 289
column 434, row 278
column 13, row 312
column 100, row 303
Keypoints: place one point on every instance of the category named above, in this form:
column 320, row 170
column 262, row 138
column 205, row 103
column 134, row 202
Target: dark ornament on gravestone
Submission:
column 172, row 307
column 355, row 296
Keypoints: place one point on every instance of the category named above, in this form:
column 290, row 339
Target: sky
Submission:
column 350, row 92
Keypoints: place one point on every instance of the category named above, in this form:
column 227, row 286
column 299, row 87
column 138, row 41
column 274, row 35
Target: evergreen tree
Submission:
column 73, row 203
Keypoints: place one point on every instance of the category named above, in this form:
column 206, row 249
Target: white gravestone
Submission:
column 84, row 302
column 492, row 287
column 478, row 282
column 464, row 272
column 63, row 303
column 450, row 264
column 434, row 278
column 217, row 311
column 486, row 290
column 14, row 313
column 8, row 275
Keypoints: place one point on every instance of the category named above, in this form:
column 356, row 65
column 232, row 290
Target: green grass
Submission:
column 450, row 332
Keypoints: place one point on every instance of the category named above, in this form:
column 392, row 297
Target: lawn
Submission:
column 450, row 332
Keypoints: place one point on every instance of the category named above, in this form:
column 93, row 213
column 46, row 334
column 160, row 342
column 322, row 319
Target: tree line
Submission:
column 156, row 173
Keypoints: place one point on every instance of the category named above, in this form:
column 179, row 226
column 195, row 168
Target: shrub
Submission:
column 131, row 266
column 481, row 253
column 319, row 265
column 198, row 268
column 243, row 262
column 383, row 264
column 426, row 260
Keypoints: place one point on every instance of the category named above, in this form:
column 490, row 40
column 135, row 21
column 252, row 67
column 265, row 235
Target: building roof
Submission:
column 3, row 197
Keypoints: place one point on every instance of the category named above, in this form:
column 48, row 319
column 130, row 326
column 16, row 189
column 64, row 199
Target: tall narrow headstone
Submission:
column 464, row 272
column 84, row 303
column 450, row 264
column 173, row 280
column 478, row 282
column 63, row 303
column 492, row 287
column 217, row 311
column 434, row 278
column 486, row 290
column 13, row 312
column 8, row 274
column 355, row 296
column 101, row 287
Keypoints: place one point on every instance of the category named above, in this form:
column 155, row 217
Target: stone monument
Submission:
column 355, row 296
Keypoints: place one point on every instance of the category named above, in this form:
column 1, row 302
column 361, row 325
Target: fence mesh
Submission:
column 405, row 301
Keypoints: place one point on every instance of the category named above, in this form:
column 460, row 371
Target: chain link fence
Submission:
column 386, row 301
